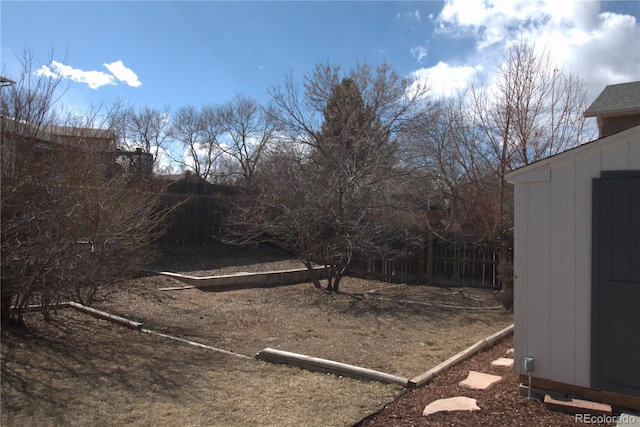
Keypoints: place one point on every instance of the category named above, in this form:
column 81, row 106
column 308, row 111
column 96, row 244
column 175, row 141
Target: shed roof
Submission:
column 530, row 169
column 620, row 98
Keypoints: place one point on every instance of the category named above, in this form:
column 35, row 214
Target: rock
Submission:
column 479, row 380
column 503, row 361
column 458, row 403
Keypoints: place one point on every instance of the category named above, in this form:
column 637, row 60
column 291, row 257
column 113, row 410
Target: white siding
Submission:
column 616, row 157
column 538, row 259
column 587, row 168
column 634, row 154
column 553, row 214
column 562, row 308
column 520, row 270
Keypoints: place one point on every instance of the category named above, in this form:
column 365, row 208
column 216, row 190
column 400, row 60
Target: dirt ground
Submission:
column 80, row 371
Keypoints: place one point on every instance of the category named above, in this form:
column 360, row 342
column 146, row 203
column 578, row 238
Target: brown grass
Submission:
column 83, row 371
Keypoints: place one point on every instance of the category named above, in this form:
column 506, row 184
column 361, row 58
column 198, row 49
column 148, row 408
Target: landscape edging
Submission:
column 463, row 355
column 264, row 278
column 329, row 366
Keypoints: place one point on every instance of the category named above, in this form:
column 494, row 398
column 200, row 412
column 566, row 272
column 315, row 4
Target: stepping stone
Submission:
column 576, row 406
column 510, row 352
column 479, row 380
column 458, row 403
column 503, row 361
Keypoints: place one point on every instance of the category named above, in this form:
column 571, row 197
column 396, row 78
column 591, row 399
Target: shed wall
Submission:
column 552, row 300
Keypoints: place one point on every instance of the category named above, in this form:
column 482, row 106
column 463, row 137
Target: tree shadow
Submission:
column 48, row 366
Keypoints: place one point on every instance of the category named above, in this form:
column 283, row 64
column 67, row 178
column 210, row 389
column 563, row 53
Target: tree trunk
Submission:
column 7, row 301
column 46, row 302
column 336, row 282
column 312, row 274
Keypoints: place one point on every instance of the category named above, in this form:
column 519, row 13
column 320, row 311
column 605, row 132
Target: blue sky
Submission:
column 173, row 54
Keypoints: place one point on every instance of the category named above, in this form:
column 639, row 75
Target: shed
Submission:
column 577, row 263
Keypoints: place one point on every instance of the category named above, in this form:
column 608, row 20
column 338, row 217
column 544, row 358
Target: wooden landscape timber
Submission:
column 106, row 316
column 242, row 280
column 351, row 371
column 463, row 355
column 329, row 366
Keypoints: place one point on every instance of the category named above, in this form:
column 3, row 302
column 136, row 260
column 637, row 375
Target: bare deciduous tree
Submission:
column 148, row 129
column 71, row 220
column 329, row 192
column 199, row 132
column 250, row 127
column 532, row 111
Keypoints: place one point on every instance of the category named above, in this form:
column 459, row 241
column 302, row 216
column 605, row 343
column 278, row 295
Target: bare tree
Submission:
column 71, row 221
column 250, row 127
column 148, row 129
column 533, row 110
column 199, row 132
column 329, row 192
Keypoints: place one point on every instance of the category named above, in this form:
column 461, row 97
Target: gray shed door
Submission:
column 616, row 283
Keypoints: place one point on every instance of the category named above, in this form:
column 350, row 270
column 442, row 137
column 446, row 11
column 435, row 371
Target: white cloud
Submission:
column 601, row 47
column 413, row 15
column 492, row 21
column 124, row 74
column 165, row 163
column 419, row 53
column 94, row 79
column 445, row 80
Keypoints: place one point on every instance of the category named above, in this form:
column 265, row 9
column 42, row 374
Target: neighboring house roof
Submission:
column 98, row 139
column 70, row 131
column 623, row 98
column 6, row 82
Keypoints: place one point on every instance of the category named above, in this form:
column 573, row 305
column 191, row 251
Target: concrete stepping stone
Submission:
column 503, row 361
column 479, row 380
column 458, row 403
column 574, row 406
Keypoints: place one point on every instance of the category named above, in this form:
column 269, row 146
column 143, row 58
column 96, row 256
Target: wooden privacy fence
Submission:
column 196, row 211
column 194, row 221
column 443, row 262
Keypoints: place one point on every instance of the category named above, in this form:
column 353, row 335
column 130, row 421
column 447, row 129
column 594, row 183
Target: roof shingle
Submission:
column 620, row 98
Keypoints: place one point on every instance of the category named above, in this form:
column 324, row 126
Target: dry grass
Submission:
column 83, row 371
